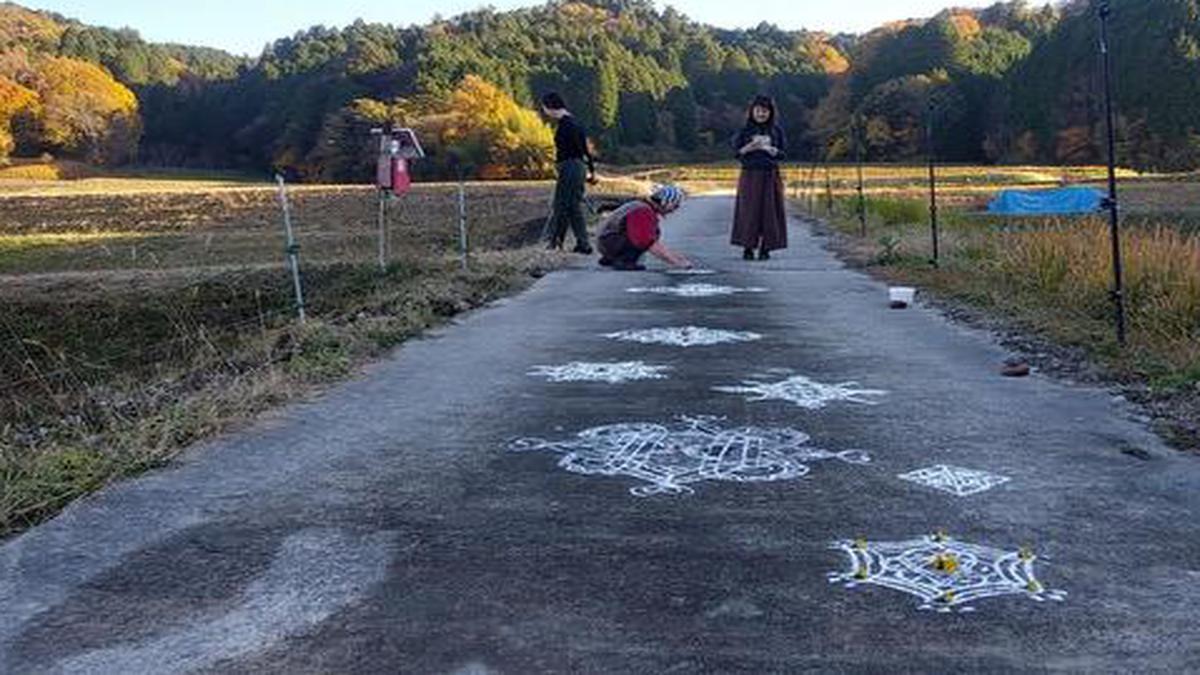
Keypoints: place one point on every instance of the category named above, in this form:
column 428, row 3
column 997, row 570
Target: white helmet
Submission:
column 667, row 198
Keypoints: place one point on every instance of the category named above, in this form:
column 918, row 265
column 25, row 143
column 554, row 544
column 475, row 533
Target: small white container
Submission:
column 901, row 296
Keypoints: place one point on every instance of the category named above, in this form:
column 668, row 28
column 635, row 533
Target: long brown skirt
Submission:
column 760, row 219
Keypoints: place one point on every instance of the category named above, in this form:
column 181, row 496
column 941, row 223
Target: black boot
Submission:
column 582, row 248
column 748, row 254
column 764, row 254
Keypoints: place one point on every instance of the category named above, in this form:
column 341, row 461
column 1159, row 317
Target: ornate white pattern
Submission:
column 946, row 575
column 612, row 373
column 694, row 449
column 956, row 480
column 803, row 392
column 683, row 336
column 697, row 290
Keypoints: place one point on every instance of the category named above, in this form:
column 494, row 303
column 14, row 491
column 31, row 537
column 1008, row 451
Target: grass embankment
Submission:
column 1052, row 277
column 133, row 324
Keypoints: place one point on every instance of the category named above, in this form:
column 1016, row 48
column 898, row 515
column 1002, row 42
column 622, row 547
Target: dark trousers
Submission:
column 568, row 204
column 616, row 250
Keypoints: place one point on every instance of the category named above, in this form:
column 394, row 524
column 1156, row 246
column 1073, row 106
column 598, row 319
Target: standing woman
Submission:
column 759, row 220
column 575, row 168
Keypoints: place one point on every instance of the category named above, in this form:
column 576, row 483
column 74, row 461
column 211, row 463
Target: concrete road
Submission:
column 741, row 508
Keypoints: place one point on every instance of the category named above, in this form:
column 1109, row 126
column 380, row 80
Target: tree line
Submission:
column 1014, row 82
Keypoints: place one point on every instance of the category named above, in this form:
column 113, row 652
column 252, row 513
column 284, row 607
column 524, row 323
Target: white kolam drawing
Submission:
column 611, row 373
column 697, row 290
column 684, row 336
column 803, row 392
column 669, row 458
column 956, row 480
column 945, row 575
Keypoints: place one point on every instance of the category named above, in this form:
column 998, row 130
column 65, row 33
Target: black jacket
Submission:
column 760, row 159
column 570, row 142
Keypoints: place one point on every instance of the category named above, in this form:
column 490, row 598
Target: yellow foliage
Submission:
column 583, row 12
column 831, row 60
column 965, row 25
column 14, row 99
column 20, row 26
column 85, row 110
column 489, row 129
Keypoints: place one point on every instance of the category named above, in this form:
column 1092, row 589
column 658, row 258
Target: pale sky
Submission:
column 246, row 26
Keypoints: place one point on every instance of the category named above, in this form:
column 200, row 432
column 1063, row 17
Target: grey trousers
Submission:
column 568, row 204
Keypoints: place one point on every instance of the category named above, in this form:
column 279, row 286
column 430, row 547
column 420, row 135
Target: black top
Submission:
column 570, row 142
column 760, row 159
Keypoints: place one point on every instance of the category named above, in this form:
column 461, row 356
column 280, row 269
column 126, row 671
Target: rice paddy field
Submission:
column 140, row 314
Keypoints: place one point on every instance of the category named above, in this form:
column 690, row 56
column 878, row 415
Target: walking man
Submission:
column 575, row 168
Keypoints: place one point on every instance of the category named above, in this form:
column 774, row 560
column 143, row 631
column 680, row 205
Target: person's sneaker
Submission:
column 629, row 267
column 748, row 254
column 606, row 262
column 764, row 254
column 582, row 249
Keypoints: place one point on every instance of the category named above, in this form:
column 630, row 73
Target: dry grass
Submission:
column 885, row 179
column 135, row 321
column 1055, row 274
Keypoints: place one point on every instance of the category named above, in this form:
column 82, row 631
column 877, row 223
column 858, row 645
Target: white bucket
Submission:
column 901, row 296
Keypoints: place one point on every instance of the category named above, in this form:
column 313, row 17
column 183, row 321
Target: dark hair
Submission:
column 554, row 101
column 764, row 101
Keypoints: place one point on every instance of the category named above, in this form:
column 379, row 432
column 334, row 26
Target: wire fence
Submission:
column 123, row 289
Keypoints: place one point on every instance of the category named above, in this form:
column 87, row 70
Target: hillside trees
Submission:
column 1015, row 81
column 17, row 105
column 1053, row 109
column 950, row 68
column 85, row 112
column 61, row 105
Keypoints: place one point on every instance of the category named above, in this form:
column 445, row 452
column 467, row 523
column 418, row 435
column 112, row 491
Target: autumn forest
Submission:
column 1014, row 82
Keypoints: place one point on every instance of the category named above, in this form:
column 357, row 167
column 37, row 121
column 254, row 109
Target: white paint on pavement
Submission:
column 696, row 290
column 956, row 480
column 803, row 392
column 316, row 573
column 612, row 373
column 944, row 574
column 683, row 336
column 691, row 272
column 669, row 458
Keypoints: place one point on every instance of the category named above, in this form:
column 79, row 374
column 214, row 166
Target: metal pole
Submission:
column 812, row 190
column 1111, row 204
column 382, row 231
column 858, row 158
column 293, row 249
column 462, row 222
column 828, row 190
column 933, row 207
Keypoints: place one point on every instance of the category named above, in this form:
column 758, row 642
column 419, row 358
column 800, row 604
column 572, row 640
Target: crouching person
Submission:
column 632, row 230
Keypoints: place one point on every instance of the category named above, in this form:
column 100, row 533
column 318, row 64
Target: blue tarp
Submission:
column 1067, row 201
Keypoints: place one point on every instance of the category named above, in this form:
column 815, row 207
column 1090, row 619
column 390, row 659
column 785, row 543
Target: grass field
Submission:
column 139, row 315
column 1052, row 277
